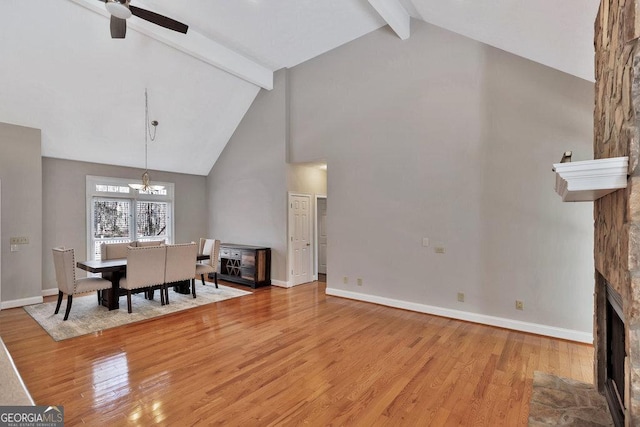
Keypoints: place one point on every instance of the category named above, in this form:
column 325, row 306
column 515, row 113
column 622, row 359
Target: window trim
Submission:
column 133, row 195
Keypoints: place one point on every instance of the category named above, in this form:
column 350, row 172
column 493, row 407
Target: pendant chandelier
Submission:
column 146, row 186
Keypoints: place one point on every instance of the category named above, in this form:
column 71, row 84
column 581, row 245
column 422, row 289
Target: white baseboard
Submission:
column 534, row 328
column 286, row 284
column 20, row 302
column 49, row 292
column 280, row 283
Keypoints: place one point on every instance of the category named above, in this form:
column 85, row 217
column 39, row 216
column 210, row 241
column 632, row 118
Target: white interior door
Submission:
column 322, row 235
column 300, row 238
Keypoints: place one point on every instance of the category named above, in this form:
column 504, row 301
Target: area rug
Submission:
column 87, row 316
column 557, row 401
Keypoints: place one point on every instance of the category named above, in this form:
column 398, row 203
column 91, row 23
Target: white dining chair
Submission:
column 145, row 270
column 209, row 247
column 64, row 261
column 180, row 267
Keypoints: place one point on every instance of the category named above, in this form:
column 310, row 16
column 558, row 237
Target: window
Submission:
column 117, row 213
column 151, row 219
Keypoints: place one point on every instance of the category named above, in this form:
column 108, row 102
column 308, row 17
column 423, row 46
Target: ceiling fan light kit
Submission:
column 118, row 9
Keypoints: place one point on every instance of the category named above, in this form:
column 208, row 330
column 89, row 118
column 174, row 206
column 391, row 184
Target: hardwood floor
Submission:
column 290, row 357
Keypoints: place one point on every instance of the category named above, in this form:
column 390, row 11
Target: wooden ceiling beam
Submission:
column 395, row 15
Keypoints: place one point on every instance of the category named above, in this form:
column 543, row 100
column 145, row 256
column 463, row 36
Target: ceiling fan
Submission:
column 120, row 10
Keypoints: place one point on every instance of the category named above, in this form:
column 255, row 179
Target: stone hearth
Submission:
column 559, row 401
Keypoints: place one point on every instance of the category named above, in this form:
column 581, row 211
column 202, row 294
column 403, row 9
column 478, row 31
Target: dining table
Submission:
column 113, row 270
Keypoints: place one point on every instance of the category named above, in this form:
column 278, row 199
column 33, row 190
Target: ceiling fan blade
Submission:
column 157, row 19
column 118, row 27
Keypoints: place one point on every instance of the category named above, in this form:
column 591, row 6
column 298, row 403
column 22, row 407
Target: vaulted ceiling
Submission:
column 61, row 72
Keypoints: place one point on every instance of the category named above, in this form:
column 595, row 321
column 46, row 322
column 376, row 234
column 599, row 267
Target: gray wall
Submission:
column 21, row 177
column 533, row 246
column 64, row 209
column 247, row 187
column 307, row 179
column 442, row 137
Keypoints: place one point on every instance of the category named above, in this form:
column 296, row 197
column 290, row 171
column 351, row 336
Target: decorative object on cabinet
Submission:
column 247, row 265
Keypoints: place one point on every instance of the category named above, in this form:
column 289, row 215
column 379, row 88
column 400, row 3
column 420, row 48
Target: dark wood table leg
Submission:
column 182, row 287
column 111, row 297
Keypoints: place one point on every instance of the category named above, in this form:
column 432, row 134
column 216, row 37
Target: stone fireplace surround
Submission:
column 617, row 215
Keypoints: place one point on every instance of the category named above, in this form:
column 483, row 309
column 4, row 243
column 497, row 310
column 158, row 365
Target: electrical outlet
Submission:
column 519, row 305
column 345, row 280
column 18, row 240
column 439, row 250
column 359, row 281
column 460, row 296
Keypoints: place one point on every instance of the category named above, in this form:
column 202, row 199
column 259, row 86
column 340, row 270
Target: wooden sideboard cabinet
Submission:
column 248, row 265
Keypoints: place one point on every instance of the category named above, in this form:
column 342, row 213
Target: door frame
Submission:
column 312, row 239
column 316, row 250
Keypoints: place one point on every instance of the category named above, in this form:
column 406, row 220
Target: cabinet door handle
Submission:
column 308, row 244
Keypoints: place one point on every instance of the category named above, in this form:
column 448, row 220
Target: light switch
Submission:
column 425, row 241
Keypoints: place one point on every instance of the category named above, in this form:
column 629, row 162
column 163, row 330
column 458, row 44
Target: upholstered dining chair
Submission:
column 150, row 243
column 180, row 266
column 212, row 248
column 145, row 270
column 64, row 261
column 114, row 250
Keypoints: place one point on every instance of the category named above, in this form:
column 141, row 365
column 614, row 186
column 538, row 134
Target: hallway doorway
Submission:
column 321, row 233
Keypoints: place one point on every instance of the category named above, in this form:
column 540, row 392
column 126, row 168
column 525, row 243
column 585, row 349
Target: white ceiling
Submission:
column 61, row 72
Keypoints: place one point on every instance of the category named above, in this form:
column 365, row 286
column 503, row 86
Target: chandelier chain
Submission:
column 148, row 134
column 147, row 130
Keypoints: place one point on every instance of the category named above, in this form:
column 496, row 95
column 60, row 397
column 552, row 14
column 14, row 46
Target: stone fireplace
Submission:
column 617, row 215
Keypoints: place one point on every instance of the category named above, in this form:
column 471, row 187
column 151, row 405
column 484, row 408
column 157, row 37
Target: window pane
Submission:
column 152, row 219
column 161, row 192
column 110, row 218
column 102, row 188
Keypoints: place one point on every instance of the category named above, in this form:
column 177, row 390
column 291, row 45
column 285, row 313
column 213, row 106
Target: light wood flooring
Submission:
column 290, row 357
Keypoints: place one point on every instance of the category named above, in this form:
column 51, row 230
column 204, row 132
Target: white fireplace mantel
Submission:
column 589, row 180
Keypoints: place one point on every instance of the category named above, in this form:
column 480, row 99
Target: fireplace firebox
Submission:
column 615, row 356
